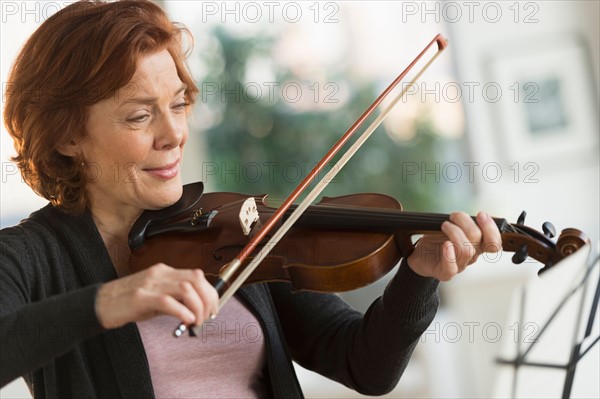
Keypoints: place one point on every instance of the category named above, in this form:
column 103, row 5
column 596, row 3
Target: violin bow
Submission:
column 227, row 288
column 235, row 264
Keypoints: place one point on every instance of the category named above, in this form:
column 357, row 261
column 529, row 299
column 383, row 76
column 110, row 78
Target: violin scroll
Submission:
column 569, row 241
column 527, row 242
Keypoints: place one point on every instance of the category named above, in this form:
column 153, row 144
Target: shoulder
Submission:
column 16, row 239
column 25, row 251
column 45, row 248
column 33, row 233
column 50, row 224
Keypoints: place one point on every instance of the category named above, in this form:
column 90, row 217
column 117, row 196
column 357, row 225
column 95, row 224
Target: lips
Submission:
column 164, row 172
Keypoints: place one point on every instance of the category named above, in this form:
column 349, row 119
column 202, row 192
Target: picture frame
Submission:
column 543, row 100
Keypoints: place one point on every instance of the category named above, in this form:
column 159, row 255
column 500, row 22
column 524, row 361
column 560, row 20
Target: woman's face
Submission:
column 135, row 139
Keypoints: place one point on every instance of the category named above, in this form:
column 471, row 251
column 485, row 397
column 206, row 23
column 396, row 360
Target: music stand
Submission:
column 554, row 331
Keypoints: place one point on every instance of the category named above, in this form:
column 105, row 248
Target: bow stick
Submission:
column 235, row 264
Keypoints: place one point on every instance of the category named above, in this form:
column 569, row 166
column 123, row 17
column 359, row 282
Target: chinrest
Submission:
column 189, row 200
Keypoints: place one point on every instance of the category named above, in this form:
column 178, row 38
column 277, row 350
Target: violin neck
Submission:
column 368, row 219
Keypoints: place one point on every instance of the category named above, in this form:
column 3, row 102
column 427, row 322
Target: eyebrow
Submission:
column 151, row 100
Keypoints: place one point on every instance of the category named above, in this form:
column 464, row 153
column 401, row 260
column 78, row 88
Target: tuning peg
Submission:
column 548, row 229
column 520, row 255
column 521, row 219
column 546, row 267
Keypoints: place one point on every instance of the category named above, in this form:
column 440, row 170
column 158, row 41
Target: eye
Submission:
column 138, row 118
column 180, row 106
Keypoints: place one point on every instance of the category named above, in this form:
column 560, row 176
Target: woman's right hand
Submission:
column 158, row 290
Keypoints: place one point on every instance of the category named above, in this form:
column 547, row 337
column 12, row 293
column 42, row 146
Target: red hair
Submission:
column 81, row 55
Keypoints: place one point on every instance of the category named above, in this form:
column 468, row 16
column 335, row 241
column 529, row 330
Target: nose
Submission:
column 169, row 135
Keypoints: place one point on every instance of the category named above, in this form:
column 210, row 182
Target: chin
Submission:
column 167, row 194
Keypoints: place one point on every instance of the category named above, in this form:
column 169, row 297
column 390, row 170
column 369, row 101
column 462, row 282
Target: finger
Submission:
column 210, row 296
column 449, row 266
column 472, row 232
column 191, row 298
column 165, row 280
column 207, row 293
column 468, row 226
column 168, row 305
column 170, row 291
column 191, row 287
column 492, row 240
column 463, row 248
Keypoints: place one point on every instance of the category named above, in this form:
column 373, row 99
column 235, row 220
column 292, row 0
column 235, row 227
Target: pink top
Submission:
column 226, row 360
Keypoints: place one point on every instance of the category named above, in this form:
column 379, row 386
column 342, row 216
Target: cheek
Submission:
column 123, row 147
column 116, row 161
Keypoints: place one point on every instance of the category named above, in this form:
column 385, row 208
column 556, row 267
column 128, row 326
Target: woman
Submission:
column 97, row 110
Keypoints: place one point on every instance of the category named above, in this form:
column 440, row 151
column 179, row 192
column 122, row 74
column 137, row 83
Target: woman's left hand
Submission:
column 444, row 255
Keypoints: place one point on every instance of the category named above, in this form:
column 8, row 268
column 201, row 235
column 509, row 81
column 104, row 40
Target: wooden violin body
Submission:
column 340, row 244
column 314, row 256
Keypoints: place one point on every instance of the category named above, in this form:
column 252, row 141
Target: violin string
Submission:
column 354, row 212
column 371, row 214
column 387, row 216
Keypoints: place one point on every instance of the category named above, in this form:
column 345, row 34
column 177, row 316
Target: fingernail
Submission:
column 213, row 316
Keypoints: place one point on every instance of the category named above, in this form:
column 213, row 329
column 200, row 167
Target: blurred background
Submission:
column 506, row 120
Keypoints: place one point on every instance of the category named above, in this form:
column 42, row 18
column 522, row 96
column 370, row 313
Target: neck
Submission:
column 114, row 228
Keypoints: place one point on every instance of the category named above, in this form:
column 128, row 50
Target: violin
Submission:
column 339, row 244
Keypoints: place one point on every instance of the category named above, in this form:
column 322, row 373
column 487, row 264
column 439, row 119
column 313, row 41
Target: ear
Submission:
column 70, row 149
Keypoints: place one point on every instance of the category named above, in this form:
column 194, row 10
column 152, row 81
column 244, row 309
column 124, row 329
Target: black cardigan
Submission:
column 53, row 263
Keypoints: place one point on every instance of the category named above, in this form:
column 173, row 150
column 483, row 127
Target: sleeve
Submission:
column 34, row 333
column 369, row 352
